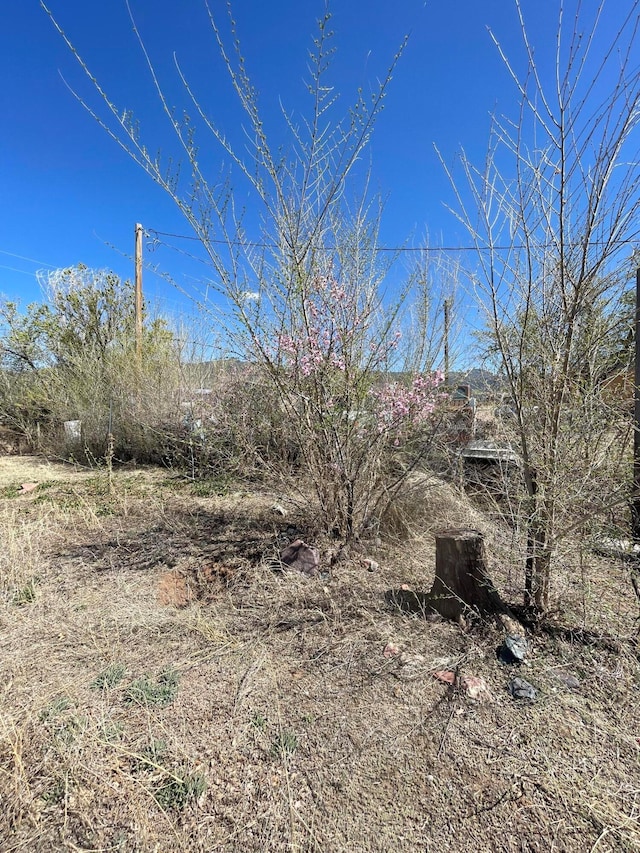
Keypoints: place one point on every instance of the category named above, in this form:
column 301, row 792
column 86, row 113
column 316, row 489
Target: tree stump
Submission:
column 461, row 584
column 462, row 581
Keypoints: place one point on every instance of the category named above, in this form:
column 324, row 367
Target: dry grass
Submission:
column 264, row 715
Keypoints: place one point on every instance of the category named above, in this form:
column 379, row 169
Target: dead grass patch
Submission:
column 285, row 727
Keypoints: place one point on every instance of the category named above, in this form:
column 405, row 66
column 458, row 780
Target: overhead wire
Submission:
column 152, row 232
column 15, row 269
column 25, row 258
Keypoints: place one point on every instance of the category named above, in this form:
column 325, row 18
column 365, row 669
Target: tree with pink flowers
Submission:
column 309, row 296
column 361, row 427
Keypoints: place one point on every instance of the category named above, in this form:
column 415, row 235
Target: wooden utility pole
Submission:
column 447, row 326
column 635, row 500
column 138, row 257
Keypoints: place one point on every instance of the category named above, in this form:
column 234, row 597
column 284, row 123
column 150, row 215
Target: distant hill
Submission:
column 482, row 382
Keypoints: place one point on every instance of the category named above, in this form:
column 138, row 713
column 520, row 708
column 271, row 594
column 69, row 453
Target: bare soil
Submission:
column 166, row 686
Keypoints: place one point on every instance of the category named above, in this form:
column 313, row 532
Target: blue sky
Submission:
column 69, row 194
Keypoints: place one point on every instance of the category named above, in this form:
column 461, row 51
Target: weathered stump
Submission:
column 462, row 581
column 461, row 584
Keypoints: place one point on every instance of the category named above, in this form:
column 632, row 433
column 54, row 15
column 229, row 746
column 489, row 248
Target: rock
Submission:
column 513, row 650
column 27, row 487
column 476, row 688
column 611, row 547
column 446, row 676
column 570, row 681
column 391, row 650
column 521, row 689
column 301, row 557
column 517, row 646
column 370, row 565
column 511, row 625
column 412, row 666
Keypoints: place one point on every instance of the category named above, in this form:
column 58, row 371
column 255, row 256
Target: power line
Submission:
column 257, row 245
column 24, row 258
column 15, row 269
column 429, row 249
column 150, row 231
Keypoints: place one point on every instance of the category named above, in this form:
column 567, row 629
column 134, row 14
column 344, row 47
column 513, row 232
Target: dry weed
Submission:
column 287, row 727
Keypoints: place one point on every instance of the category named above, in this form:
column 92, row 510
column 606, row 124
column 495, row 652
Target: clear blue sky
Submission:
column 69, row 194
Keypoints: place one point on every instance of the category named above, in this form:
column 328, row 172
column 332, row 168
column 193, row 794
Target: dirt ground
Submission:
column 163, row 687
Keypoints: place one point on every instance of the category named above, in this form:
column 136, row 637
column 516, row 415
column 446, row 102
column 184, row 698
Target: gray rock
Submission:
column 513, row 650
column 569, row 680
column 521, row 689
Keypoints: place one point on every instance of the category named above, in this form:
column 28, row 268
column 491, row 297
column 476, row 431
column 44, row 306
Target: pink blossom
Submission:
column 400, row 407
column 319, row 345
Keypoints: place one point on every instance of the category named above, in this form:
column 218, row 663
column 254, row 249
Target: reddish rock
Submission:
column 391, row 650
column 27, row 487
column 476, row 688
column 301, row 557
column 446, row 676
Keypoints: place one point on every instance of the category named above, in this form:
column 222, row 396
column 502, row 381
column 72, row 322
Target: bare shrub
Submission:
column 553, row 214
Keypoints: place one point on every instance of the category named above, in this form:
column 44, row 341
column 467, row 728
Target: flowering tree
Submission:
column 353, row 424
column 307, row 297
